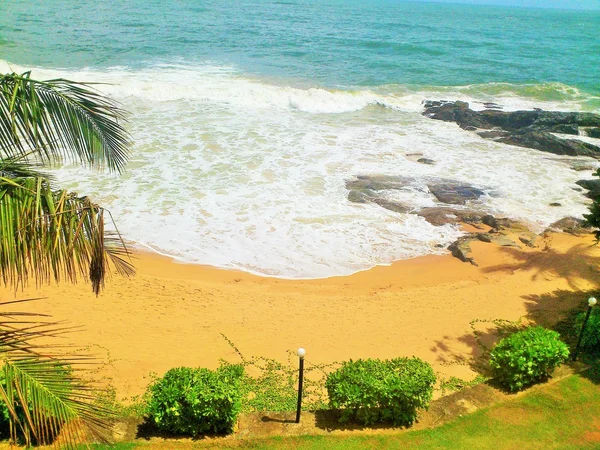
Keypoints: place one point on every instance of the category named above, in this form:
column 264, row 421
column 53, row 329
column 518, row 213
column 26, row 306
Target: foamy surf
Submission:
column 241, row 172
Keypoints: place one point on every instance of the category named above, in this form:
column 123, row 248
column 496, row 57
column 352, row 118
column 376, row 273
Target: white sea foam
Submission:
column 237, row 172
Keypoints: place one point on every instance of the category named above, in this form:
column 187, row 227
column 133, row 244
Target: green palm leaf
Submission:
column 46, row 398
column 47, row 233
column 60, row 118
column 51, row 234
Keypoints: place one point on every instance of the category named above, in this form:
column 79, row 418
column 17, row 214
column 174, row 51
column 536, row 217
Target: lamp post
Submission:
column 591, row 303
column 301, row 353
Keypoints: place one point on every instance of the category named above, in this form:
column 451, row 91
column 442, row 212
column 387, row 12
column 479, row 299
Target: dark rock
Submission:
column 593, row 186
column 378, row 182
column 392, row 205
column 484, row 237
column 426, row 161
column 494, row 134
column 490, row 221
column 555, row 204
column 511, row 225
column 357, row 197
column 462, row 250
column 504, row 241
column 530, row 129
column 439, row 216
column 566, row 128
column 528, row 241
column 547, row 142
column 570, row 225
column 453, row 193
column 583, row 165
column 491, row 105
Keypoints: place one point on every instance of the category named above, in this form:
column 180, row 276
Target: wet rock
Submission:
column 392, row 205
column 377, row 182
column 439, row 216
column 580, row 166
column 593, row 187
column 357, row 197
column 547, row 142
column 491, row 105
column 454, row 193
column 530, row 129
column 426, row 161
column 494, row 134
column 593, row 132
column 566, row 128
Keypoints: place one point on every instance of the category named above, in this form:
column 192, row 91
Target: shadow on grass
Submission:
column 593, row 373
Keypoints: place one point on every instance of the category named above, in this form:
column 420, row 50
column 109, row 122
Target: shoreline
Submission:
column 174, row 314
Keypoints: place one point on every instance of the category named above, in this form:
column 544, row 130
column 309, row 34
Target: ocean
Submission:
column 247, row 118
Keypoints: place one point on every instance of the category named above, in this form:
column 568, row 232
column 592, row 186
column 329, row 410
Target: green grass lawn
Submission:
column 563, row 415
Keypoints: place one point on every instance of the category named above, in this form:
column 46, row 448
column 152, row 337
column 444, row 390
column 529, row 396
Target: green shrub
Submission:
column 591, row 335
column 527, row 357
column 190, row 401
column 370, row 391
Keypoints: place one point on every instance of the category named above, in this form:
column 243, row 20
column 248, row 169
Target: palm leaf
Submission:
column 60, row 119
column 45, row 396
column 51, row 234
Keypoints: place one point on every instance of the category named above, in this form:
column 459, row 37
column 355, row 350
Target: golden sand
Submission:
column 173, row 314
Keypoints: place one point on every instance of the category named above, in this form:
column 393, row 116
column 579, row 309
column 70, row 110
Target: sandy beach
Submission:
column 173, row 314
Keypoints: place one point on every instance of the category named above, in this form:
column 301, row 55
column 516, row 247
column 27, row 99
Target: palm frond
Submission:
column 18, row 167
column 44, row 393
column 51, row 234
column 60, row 118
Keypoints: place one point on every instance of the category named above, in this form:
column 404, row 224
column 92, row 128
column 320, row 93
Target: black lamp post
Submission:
column 301, row 353
column 591, row 303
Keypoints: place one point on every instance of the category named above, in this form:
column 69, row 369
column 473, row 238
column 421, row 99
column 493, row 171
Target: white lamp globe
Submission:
column 592, row 301
column 301, row 353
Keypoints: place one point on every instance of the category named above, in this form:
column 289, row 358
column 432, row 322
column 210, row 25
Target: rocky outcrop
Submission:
column 439, row 216
column 592, row 186
column 369, row 188
column 454, row 193
column 570, row 225
column 530, row 129
column 462, row 250
column 502, row 231
column 503, row 237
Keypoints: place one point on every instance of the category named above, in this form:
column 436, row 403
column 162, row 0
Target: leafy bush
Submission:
column 370, row 391
column 527, row 357
column 190, row 401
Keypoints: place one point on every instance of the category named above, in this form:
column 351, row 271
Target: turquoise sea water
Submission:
column 332, row 43
column 248, row 116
